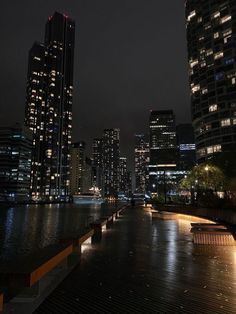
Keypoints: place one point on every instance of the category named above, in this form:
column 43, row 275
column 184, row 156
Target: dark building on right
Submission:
column 211, row 37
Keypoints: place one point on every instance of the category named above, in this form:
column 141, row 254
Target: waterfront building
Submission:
column 186, row 147
column 163, row 149
column 48, row 111
column 111, row 156
column 98, row 163
column 125, row 180
column 77, row 167
column 122, row 174
column 142, row 158
column 87, row 183
column 211, row 37
column 15, row 163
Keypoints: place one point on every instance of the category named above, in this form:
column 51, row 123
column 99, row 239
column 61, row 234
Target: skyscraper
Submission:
column 98, row 163
column 15, row 163
column 49, row 108
column 123, row 174
column 78, row 161
column 186, row 146
column 211, row 36
column 163, row 149
column 141, row 155
column 111, row 155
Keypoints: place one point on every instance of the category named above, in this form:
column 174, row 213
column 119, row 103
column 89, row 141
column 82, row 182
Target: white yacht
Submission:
column 92, row 197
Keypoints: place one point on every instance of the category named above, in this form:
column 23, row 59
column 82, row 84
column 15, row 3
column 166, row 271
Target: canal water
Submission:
column 24, row 229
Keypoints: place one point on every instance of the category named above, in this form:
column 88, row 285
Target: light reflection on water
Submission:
column 26, row 228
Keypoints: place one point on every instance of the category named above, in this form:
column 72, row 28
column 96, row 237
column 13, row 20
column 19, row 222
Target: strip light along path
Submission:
column 148, row 266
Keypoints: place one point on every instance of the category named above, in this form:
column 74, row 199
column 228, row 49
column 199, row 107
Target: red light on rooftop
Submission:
column 66, row 16
column 49, row 18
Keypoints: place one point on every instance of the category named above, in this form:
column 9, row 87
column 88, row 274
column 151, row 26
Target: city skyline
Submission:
column 109, row 40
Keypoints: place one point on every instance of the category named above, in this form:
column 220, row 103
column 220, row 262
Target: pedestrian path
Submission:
column 145, row 266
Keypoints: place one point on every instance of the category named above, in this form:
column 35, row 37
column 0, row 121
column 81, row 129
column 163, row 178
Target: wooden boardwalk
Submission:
column 148, row 266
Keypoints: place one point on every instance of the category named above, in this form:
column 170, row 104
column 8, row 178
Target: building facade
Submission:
column 48, row 111
column 77, row 167
column 15, row 163
column 98, row 163
column 186, row 147
column 211, row 37
column 163, row 148
column 111, row 157
column 142, row 158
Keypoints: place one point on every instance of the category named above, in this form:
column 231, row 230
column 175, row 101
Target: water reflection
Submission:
column 25, row 229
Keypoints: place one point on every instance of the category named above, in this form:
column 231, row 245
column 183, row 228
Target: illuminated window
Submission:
column 218, row 55
column 193, row 63
column 209, row 52
column 213, row 108
column 215, row 15
column 225, row 122
column 225, row 19
column 191, row 15
column 195, row 88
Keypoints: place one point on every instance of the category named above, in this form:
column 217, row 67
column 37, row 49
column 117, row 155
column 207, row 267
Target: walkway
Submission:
column 145, row 266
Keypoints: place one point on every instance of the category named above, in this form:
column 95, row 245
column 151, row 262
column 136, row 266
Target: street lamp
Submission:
column 206, row 169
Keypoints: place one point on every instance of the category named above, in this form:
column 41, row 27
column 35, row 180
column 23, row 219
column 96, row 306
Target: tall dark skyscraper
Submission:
column 186, row 146
column 98, row 163
column 49, row 108
column 211, row 35
column 141, row 155
column 78, row 161
column 163, row 147
column 111, row 158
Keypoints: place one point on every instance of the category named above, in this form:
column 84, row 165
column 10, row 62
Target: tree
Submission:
column 204, row 177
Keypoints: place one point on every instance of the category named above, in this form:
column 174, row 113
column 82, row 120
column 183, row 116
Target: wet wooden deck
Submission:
column 148, row 266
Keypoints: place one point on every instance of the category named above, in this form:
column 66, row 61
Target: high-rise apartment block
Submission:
column 142, row 158
column 111, row 157
column 211, row 36
column 48, row 110
column 15, row 163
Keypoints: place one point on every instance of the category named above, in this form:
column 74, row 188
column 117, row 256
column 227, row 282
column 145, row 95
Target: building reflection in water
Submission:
column 25, row 229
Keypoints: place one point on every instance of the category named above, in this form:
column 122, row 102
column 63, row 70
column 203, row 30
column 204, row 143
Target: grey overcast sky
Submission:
column 130, row 57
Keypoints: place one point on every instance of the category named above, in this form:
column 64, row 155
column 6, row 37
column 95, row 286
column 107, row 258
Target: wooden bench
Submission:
column 212, row 236
column 98, row 226
column 79, row 242
column 28, row 272
column 163, row 215
column 207, row 226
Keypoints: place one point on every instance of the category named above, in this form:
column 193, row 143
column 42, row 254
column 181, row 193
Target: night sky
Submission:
column 130, row 57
